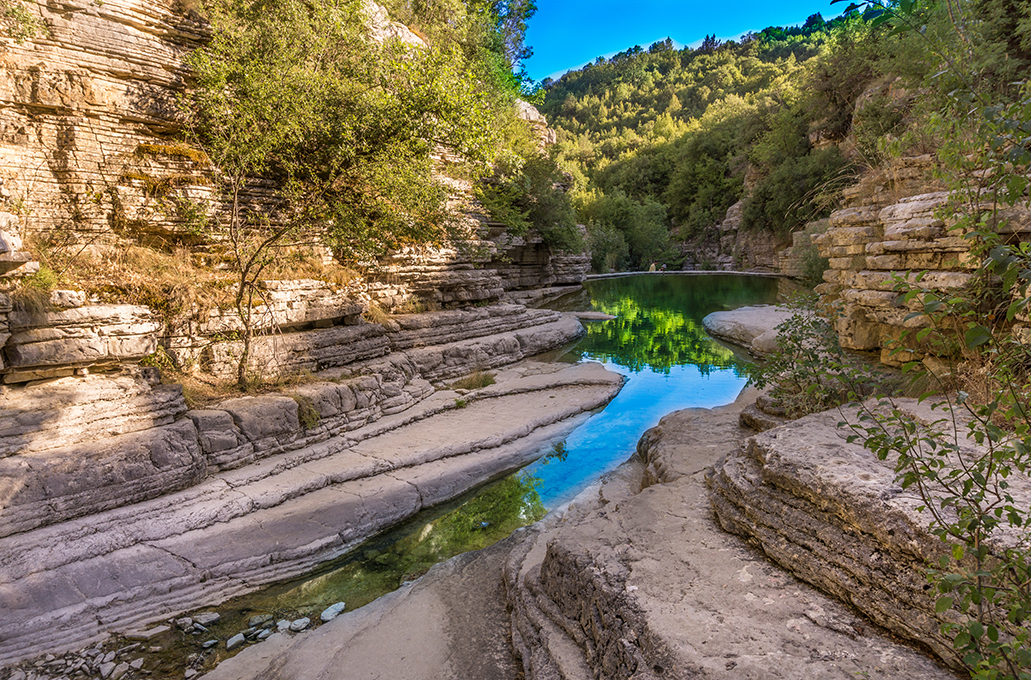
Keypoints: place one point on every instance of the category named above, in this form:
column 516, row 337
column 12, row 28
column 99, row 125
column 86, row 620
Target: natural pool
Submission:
column 657, row 341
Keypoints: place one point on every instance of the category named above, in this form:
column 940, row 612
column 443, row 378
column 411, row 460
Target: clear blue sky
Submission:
column 567, row 34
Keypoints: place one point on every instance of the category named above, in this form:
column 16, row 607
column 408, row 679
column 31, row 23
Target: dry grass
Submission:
column 474, row 381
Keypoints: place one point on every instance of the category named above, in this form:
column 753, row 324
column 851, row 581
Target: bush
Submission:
column 785, row 199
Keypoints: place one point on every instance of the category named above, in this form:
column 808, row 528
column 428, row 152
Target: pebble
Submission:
column 106, row 669
column 333, row 611
column 282, row 625
column 207, row 618
column 137, row 664
column 235, row 641
column 190, row 672
column 299, row 624
column 108, row 658
column 120, row 670
column 18, row 675
column 265, row 634
column 185, row 623
column 259, row 620
column 209, row 644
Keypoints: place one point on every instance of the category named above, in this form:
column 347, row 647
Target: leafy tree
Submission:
column 296, row 97
column 534, row 196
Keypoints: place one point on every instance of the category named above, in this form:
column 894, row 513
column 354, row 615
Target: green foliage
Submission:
column 533, row 196
column 18, row 22
column 785, row 199
column 810, row 372
column 297, row 92
column 629, row 232
column 609, row 250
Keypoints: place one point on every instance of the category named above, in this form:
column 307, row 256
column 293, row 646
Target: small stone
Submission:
column 185, row 623
column 18, row 675
column 265, row 634
column 333, row 611
column 209, row 644
column 298, row 625
column 49, row 657
column 120, row 670
column 197, row 628
column 106, row 669
column 137, row 664
column 235, row 641
column 207, row 618
column 148, row 633
column 259, row 620
column 109, row 657
column 282, row 625
column 190, row 673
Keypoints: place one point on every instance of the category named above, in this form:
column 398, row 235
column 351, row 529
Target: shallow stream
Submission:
column 657, row 341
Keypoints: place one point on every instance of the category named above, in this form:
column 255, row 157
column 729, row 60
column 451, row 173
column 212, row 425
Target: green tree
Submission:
column 316, row 132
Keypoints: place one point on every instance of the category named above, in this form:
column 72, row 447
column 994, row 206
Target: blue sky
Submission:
column 567, row 34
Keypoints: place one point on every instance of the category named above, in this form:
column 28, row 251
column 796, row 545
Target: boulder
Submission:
column 752, row 327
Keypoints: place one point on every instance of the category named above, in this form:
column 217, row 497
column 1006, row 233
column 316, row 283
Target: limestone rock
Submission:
column 70, row 411
column 831, row 512
column 753, row 327
column 78, row 337
column 643, row 584
column 59, row 484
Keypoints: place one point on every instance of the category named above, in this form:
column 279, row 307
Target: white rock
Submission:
column 298, row 625
column 282, row 625
column 207, row 618
column 333, row 611
column 120, row 670
column 235, row 641
column 106, row 669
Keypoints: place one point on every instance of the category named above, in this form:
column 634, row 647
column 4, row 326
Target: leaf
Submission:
column 943, row 603
column 957, row 552
column 976, row 336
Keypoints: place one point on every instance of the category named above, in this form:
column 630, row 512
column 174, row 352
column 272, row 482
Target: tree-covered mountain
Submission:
column 662, row 141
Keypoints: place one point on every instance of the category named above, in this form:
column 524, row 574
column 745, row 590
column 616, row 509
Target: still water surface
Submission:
column 656, row 341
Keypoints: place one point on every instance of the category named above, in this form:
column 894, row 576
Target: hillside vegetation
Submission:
column 662, row 141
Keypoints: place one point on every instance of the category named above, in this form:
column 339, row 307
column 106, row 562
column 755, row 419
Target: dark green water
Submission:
column 657, row 341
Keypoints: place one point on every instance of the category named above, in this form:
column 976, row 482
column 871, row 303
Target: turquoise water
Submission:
column 658, row 343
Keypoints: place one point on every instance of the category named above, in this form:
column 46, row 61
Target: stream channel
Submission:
column 657, row 341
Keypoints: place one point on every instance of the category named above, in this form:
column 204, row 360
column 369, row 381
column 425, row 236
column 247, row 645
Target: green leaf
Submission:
column 943, row 603
column 976, row 336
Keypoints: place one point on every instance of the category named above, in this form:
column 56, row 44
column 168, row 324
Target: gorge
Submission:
column 220, row 374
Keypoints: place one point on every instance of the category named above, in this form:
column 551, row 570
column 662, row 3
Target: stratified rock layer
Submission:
column 646, row 585
column 831, row 512
column 290, row 494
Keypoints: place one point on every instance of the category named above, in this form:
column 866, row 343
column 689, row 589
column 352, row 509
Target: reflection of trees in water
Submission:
column 658, row 322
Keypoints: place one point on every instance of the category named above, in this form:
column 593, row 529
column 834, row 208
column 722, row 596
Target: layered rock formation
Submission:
column 832, row 513
column 730, row 248
column 121, row 506
column 890, row 230
column 643, row 584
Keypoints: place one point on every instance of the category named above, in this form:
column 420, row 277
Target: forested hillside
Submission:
column 662, row 141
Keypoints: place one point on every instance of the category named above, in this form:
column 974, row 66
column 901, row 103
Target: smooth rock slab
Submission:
column 752, row 327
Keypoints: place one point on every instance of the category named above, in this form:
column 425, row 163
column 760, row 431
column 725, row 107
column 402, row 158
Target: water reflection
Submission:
column 657, row 341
